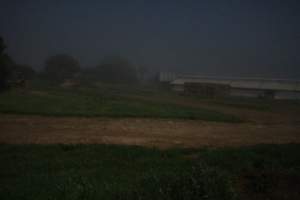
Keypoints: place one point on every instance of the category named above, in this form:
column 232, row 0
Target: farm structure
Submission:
column 237, row 87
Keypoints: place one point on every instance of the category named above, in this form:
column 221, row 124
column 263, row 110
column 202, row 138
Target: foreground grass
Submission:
column 122, row 172
column 90, row 102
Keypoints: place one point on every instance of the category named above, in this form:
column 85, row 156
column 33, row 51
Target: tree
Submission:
column 24, row 72
column 2, row 46
column 5, row 66
column 61, row 66
column 115, row 69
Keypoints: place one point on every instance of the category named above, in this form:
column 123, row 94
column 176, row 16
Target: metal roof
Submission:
column 245, row 83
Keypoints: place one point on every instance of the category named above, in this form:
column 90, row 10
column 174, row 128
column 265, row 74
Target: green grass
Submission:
column 91, row 102
column 122, row 172
column 258, row 104
column 247, row 103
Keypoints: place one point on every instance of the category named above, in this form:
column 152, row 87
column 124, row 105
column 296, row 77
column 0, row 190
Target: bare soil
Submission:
column 162, row 133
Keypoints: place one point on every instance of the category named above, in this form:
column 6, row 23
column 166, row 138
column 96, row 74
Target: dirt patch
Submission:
column 22, row 129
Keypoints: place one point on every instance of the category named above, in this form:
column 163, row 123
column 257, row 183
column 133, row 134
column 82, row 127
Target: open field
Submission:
column 142, row 116
column 92, row 103
column 73, row 144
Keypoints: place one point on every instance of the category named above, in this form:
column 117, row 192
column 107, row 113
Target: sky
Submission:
column 237, row 38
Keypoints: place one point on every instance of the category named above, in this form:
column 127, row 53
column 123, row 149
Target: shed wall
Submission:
column 237, row 92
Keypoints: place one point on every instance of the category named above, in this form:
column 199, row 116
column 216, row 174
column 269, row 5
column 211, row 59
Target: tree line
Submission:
column 10, row 71
column 60, row 67
column 112, row 69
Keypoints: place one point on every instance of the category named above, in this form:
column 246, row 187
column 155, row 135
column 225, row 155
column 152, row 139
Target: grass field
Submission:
column 122, row 172
column 101, row 171
column 107, row 102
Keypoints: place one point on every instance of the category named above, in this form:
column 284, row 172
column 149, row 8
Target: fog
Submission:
column 149, row 99
column 218, row 38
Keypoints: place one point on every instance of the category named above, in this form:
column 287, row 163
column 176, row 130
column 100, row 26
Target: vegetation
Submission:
column 60, row 67
column 5, row 66
column 10, row 72
column 244, row 102
column 22, row 72
column 122, row 172
column 91, row 102
column 113, row 69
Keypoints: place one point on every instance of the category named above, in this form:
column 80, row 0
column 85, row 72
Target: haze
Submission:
column 219, row 38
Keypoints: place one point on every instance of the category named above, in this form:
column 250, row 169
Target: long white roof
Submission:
column 245, row 83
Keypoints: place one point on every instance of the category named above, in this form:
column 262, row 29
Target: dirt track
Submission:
column 20, row 129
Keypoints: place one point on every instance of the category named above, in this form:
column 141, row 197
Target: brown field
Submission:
column 262, row 127
column 281, row 124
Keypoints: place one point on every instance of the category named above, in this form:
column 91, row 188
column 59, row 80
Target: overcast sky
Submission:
column 214, row 37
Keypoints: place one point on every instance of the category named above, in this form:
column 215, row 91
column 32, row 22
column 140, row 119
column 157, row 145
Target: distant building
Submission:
column 166, row 77
column 240, row 87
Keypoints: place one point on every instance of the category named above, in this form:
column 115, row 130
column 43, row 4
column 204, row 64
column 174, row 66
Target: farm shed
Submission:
column 240, row 87
column 166, row 77
column 201, row 88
